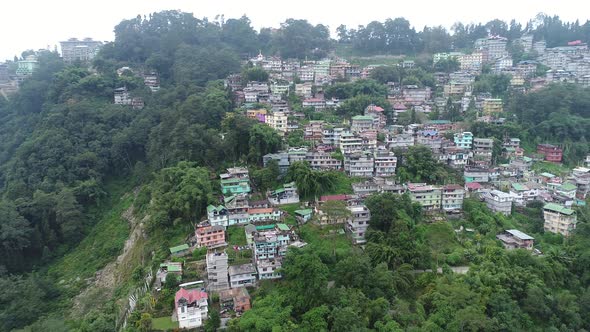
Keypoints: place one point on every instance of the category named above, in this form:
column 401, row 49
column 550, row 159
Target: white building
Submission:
column 191, row 307
column 242, row 275
column 499, row 201
column 358, row 223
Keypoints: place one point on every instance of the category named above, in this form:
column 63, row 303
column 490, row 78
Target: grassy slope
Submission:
column 102, row 244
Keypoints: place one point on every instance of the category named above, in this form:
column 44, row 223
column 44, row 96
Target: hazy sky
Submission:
column 35, row 24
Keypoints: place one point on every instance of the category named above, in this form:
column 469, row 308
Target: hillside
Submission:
column 107, row 165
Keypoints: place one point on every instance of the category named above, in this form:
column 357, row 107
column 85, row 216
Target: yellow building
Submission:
column 492, row 106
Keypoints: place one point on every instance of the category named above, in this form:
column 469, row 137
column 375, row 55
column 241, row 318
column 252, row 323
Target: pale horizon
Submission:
column 58, row 20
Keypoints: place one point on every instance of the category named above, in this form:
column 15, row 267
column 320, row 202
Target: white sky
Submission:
column 36, row 24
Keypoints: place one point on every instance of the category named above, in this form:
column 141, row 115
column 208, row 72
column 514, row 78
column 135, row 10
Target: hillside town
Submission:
column 390, row 170
column 364, row 148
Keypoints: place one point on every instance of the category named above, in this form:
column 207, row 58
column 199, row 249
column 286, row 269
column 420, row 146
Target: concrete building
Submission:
column 559, row 219
column 358, row 223
column 359, row 165
column 210, row 236
column 191, row 307
column 482, row 151
column 350, row 143
column 463, row 140
column 235, row 181
column 242, row 275
column 492, row 106
column 361, row 123
column 400, row 141
column 552, row 153
column 237, row 300
column 287, row 194
column 277, row 121
column 304, row 90
column 452, row 198
column 499, row 201
column 322, row 161
column 73, row 50
column 217, row 271
column 471, row 62
column 385, row 163
column 515, row 239
column 26, row 67
column 428, row 196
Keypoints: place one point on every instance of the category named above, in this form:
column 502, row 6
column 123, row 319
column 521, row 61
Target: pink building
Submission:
column 210, row 236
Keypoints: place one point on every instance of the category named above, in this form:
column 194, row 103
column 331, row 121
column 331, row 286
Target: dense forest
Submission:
column 68, row 155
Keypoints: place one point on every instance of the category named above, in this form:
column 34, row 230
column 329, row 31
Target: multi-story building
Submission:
column 361, row 123
column 476, row 174
column 552, row 153
column 314, row 131
column 152, row 81
column 277, row 121
column 73, row 50
column 122, row 96
column 492, row 106
column 304, row 90
column 26, row 67
column 471, row 62
column 217, row 215
column 285, row 195
column 210, row 236
column 358, row 222
column 270, row 246
column 191, row 307
column 359, row 165
column 515, row 239
column 454, row 156
column 483, row 150
column 559, row 219
column 415, row 95
column 269, row 268
column 257, row 114
column 317, row 103
column 306, row 74
column 499, row 201
column 385, row 163
column 350, row 143
column 502, row 64
column 242, row 275
column 400, row 141
column 279, row 88
column 217, row 271
column 428, row 196
column 522, row 193
column 263, row 214
column 322, row 161
column 463, row 140
column 452, row 198
column 492, row 47
column 235, row 181
column 379, row 114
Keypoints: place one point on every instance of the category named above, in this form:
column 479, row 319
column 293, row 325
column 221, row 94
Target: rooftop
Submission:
column 558, row 208
column 519, row 234
column 179, row 248
column 241, row 269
